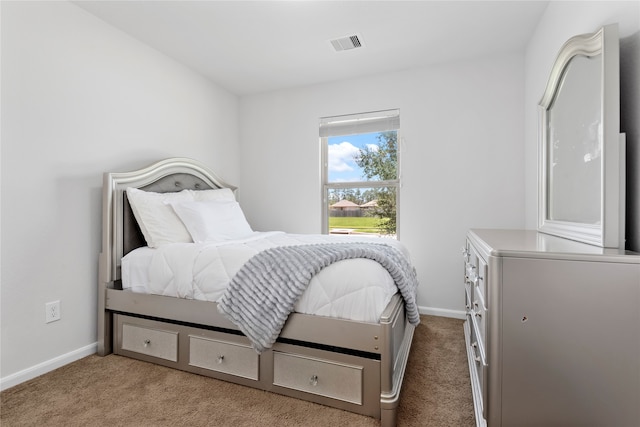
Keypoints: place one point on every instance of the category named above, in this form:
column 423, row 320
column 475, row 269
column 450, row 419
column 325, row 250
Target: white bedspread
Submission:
column 357, row 289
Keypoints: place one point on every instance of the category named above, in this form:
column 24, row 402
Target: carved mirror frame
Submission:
column 581, row 151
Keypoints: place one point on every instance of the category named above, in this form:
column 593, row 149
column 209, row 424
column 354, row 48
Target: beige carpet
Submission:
column 117, row 391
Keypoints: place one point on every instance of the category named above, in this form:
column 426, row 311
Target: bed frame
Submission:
column 355, row 366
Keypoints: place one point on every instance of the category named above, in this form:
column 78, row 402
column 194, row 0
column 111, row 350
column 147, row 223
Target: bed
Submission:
column 355, row 365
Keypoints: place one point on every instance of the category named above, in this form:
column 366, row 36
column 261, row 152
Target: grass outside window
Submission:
column 357, row 224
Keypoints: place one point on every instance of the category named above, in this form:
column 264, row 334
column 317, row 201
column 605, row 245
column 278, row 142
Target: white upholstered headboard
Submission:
column 120, row 231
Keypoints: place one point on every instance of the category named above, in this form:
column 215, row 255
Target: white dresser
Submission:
column 552, row 331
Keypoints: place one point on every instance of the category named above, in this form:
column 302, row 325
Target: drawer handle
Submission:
column 147, row 342
column 471, row 276
column 220, row 359
column 474, row 346
column 313, row 380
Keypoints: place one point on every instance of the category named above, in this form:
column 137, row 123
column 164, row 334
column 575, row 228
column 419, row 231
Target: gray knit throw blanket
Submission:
column 265, row 290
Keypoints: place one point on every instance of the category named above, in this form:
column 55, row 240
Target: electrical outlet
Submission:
column 52, row 311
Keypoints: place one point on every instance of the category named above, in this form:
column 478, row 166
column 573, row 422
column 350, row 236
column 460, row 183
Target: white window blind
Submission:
column 377, row 121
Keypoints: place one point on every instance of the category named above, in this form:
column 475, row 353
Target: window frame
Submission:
column 326, row 186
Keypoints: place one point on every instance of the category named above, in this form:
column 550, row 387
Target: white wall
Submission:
column 561, row 21
column 80, row 98
column 462, row 158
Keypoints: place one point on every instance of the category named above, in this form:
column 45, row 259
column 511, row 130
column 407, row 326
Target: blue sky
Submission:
column 342, row 167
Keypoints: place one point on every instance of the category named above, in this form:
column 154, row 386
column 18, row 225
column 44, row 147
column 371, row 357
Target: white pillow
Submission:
column 157, row 220
column 213, row 220
column 214, row 194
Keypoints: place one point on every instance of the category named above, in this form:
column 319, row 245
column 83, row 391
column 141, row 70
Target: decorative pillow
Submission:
column 217, row 194
column 157, row 220
column 213, row 220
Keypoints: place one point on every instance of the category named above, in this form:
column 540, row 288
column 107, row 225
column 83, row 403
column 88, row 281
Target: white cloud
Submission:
column 341, row 157
column 373, row 147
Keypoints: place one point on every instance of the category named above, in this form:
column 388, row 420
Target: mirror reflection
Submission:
column 574, row 135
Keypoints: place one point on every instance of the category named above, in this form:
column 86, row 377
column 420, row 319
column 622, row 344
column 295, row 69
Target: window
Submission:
column 360, row 173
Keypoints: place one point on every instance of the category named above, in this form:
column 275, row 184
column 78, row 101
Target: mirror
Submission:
column 581, row 153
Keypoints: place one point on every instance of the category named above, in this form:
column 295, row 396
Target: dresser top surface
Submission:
column 531, row 243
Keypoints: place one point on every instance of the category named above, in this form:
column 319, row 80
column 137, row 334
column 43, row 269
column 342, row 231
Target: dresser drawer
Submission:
column 480, row 290
column 476, row 274
column 317, row 376
column 480, row 318
column 150, row 341
column 226, row 357
column 477, row 344
column 467, row 298
column 477, row 369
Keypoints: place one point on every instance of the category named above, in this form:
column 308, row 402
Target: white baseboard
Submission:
column 47, row 366
column 442, row 312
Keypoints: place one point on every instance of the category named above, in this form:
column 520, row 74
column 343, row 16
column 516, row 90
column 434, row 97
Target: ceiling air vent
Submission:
column 346, row 43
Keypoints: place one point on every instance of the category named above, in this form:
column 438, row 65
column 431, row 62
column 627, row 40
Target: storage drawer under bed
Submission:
column 317, row 376
column 150, row 341
column 226, row 357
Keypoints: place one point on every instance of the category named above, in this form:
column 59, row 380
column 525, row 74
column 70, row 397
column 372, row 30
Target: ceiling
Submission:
column 256, row 46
